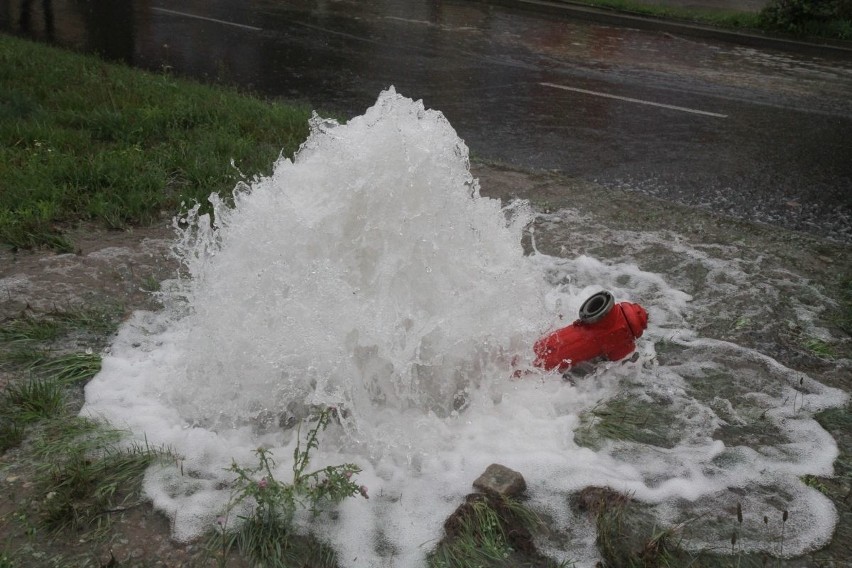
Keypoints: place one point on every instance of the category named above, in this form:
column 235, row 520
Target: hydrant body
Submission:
column 605, row 329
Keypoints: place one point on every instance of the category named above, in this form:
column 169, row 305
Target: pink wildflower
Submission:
column 220, row 521
column 348, row 474
column 262, row 483
column 363, row 491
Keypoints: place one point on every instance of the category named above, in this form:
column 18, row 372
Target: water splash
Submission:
column 368, row 273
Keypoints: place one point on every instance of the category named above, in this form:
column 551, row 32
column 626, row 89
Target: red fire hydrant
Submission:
column 605, row 329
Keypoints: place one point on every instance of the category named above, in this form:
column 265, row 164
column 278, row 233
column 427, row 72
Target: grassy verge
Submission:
column 767, row 20
column 86, row 140
column 722, row 18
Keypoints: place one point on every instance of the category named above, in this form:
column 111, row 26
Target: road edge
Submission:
column 581, row 11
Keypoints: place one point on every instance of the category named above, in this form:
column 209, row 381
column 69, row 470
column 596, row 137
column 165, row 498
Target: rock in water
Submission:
column 501, row 480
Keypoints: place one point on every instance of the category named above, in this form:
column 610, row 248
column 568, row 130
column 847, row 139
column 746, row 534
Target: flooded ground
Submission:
column 783, row 294
column 750, row 322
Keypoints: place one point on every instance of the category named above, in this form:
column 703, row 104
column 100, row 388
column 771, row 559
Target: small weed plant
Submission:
column 267, row 535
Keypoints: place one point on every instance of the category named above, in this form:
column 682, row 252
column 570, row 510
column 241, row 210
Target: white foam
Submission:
column 368, row 273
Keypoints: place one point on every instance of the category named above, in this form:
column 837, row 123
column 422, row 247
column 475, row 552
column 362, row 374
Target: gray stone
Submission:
column 501, row 480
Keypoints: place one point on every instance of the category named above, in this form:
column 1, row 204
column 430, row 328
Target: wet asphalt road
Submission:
column 753, row 133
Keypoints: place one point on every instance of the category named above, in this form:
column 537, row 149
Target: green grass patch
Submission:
column 820, row 348
column 71, row 368
column 733, row 19
column 85, row 475
column 11, row 434
column 83, row 139
column 823, row 18
column 628, row 418
column 21, row 356
column 31, row 329
column 272, row 542
column 46, row 371
column 82, row 472
column 27, row 402
column 490, row 530
column 150, row 284
column 24, row 402
column 627, row 537
column 835, row 419
column 842, row 317
column 65, row 369
column 787, row 17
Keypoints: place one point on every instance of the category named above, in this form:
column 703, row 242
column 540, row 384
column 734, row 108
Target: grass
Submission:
column 836, row 419
column 39, row 352
column 617, row 540
column 86, row 475
column 733, row 19
column 820, row 348
column 86, row 140
column 490, row 530
column 271, row 542
column 150, row 284
column 11, row 434
column 842, row 317
column 839, row 29
column 81, row 472
column 71, row 368
column 625, row 417
column 28, row 329
column 24, row 402
column 626, row 539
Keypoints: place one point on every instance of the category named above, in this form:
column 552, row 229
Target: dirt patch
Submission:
column 116, row 267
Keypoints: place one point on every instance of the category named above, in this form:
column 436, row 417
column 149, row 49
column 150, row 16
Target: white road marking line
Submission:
column 205, row 18
column 639, row 101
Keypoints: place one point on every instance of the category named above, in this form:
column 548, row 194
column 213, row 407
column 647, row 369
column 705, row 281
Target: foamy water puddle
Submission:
column 369, row 274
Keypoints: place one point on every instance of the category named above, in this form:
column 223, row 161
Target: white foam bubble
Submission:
column 368, row 273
